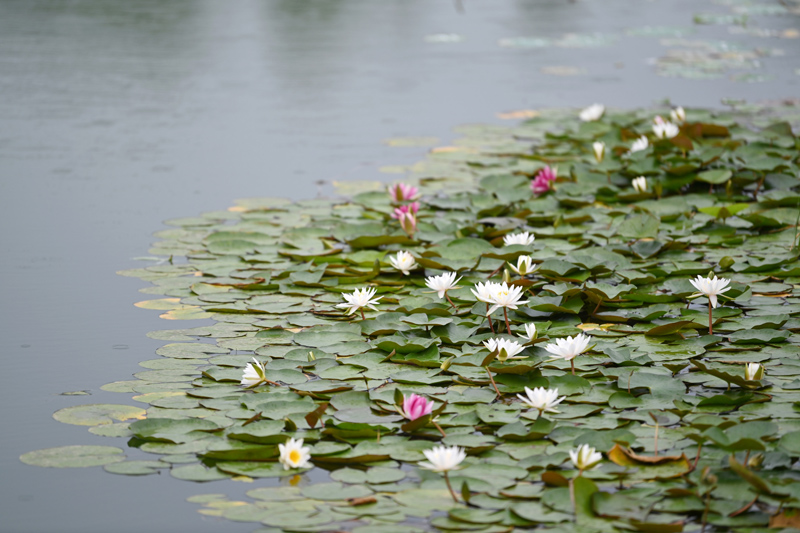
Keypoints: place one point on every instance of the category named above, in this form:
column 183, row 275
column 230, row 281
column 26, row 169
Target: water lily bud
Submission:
column 506, row 277
column 753, row 371
column 726, row 262
column 755, row 461
column 311, row 357
column 446, row 363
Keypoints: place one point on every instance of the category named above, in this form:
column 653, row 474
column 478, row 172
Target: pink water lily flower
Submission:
column 402, row 192
column 543, row 181
column 416, row 406
column 400, row 212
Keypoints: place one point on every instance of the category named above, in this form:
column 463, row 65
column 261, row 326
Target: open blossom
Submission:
column 402, row 192
column 640, row 184
column 599, row 149
column 294, row 454
column 592, row 113
column 711, row 287
column 505, row 296
column 664, row 129
column 443, row 458
column 518, row 238
column 640, row 144
column 569, row 348
column 678, row 115
column 404, row 262
column 544, row 400
column 359, row 299
column 416, row 406
column 585, row 457
column 543, row 181
column 530, row 331
column 253, row 374
column 505, row 348
column 484, row 291
column 524, row 265
column 442, row 283
column 753, row 371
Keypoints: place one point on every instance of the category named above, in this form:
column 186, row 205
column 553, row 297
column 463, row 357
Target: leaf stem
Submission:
column 710, row 321
column 491, row 378
column 447, row 480
column 439, row 428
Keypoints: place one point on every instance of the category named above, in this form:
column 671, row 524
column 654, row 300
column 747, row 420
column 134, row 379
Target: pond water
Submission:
column 115, row 116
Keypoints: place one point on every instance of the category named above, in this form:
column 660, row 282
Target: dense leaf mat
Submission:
column 613, row 263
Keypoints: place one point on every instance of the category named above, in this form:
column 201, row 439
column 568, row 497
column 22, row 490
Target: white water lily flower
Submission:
column 753, row 371
column 664, row 129
column 443, row 458
column 640, row 144
column 640, row 184
column 253, row 373
column 442, row 283
column 484, row 291
column 711, row 287
column 404, row 262
column 678, row 115
column 523, row 238
column 359, row 299
column 505, row 296
column 592, row 113
column 569, row 348
column 544, row 400
column 505, row 348
column 530, row 332
column 585, row 457
column 599, row 149
column 294, row 454
column 524, row 265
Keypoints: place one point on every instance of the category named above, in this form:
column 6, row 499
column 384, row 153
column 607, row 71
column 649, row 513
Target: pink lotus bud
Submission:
column 414, row 206
column 400, row 212
column 416, row 406
column 409, row 223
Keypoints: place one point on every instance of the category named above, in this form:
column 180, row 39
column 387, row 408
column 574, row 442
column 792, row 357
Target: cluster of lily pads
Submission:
column 387, row 394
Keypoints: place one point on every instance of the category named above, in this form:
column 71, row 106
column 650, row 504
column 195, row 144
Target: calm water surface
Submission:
column 117, row 115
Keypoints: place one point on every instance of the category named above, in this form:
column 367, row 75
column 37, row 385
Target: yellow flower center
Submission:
column 294, row 456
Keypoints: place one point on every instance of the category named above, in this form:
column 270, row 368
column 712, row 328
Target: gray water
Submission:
column 115, row 116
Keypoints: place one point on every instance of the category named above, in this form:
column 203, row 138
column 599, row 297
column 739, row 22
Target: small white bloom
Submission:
column 711, row 287
column 294, row 454
column 505, row 296
column 523, row 238
column 753, row 372
column 253, row 373
column 544, row 400
column 524, row 265
column 404, row 262
column 592, row 113
column 640, row 184
column 678, row 115
column 442, row 283
column 443, row 458
column 569, row 348
column 640, row 144
column 483, row 291
column 599, row 149
column 505, row 348
column 585, row 457
column 665, row 130
column 359, row 299
column 530, row 331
